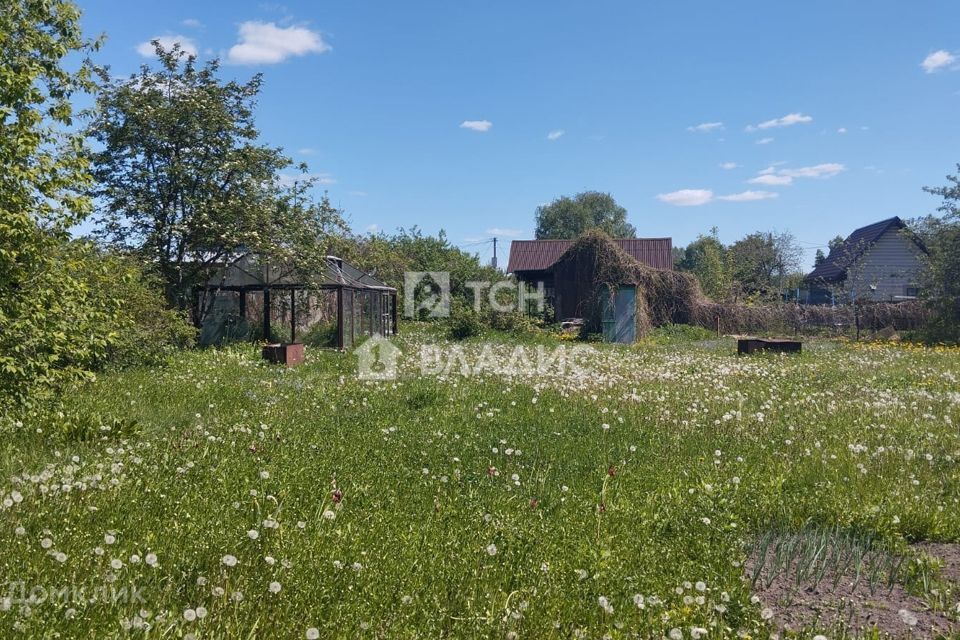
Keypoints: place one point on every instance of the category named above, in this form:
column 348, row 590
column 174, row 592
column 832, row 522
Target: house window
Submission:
column 912, row 292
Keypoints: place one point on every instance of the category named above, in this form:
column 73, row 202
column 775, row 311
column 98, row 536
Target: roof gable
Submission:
column 540, row 255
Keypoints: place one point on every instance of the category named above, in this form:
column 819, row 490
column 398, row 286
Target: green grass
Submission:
column 468, row 506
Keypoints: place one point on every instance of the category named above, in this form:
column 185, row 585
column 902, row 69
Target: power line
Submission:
column 474, row 244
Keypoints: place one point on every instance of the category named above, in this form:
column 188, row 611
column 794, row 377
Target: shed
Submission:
column 533, row 262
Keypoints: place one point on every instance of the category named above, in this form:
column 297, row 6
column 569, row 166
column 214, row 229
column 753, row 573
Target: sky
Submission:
column 813, row 118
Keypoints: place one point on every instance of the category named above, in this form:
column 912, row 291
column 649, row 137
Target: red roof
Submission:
column 538, row 255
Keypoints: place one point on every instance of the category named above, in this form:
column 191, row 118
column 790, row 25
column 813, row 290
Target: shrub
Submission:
column 514, row 322
column 85, row 311
column 322, row 334
column 57, row 328
column 464, row 323
column 145, row 331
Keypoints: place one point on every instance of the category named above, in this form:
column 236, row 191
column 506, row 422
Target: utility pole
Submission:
column 493, row 263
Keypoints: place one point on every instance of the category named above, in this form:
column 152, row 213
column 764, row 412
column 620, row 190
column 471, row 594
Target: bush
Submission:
column 464, row 323
column 84, row 311
column 145, row 332
column 513, row 322
column 322, row 334
column 57, row 325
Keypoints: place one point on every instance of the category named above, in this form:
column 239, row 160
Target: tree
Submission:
column 752, row 262
column 705, row 257
column 52, row 329
column 818, row 258
column 566, row 218
column 836, row 243
column 390, row 256
column 942, row 279
column 761, row 262
column 185, row 183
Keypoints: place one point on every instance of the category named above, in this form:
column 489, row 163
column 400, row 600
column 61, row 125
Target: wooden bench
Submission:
column 754, row 345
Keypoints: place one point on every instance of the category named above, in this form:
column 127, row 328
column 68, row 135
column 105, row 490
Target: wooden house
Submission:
column 881, row 262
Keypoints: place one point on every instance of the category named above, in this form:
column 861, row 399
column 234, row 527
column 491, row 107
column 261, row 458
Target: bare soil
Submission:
column 857, row 608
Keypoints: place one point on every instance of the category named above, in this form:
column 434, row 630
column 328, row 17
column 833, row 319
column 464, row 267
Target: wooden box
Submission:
column 289, row 354
column 754, row 345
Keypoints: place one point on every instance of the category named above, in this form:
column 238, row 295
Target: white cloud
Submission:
column 476, row 125
column 764, row 140
column 187, row 45
column 827, row 170
column 687, row 197
column 749, row 196
column 705, row 127
column 555, row 134
column 193, row 23
column 771, row 180
column 785, row 121
column 771, row 177
column 357, row 194
column 698, row 197
column 322, row 179
column 373, row 228
column 842, row 130
column 510, row 233
column 938, row 60
column 306, row 151
column 729, row 165
column 266, row 43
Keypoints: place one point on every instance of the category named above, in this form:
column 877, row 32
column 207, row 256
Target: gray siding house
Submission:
column 881, row 262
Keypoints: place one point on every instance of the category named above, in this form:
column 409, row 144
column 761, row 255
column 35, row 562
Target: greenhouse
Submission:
column 252, row 299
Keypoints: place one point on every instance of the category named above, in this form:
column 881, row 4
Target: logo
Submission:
column 433, row 288
column 377, row 359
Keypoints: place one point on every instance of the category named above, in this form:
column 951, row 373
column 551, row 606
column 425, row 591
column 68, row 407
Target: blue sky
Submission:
column 814, row 117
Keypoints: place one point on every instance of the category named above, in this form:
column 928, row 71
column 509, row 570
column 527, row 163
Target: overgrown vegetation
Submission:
column 942, row 280
column 599, row 267
column 625, row 497
column 52, row 327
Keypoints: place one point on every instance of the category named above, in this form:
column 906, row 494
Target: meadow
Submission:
column 219, row 497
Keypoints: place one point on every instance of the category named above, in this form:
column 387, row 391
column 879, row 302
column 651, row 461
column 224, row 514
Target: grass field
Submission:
column 219, row 497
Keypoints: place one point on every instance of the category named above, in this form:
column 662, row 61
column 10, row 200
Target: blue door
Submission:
column 620, row 315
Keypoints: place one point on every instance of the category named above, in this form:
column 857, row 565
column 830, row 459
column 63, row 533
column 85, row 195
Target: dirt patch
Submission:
column 948, row 554
column 827, row 583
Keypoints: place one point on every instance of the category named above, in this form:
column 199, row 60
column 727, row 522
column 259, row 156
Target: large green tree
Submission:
column 567, row 218
column 53, row 328
column 942, row 279
column 185, row 182
column 761, row 264
column 705, row 257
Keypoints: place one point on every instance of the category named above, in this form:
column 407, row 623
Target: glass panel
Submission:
column 347, row 317
column 317, row 318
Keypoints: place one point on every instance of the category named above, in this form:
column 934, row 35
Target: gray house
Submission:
column 881, row 262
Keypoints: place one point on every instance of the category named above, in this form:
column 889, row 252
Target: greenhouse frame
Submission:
column 250, row 298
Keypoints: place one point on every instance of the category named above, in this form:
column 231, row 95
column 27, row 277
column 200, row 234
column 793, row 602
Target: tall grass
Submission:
column 616, row 501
